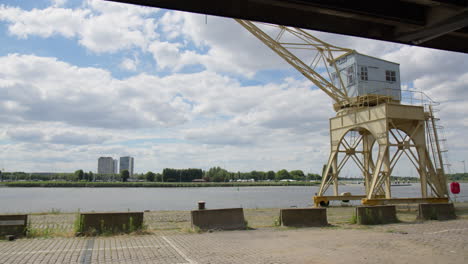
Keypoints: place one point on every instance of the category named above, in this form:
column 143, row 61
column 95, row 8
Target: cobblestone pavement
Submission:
column 428, row 242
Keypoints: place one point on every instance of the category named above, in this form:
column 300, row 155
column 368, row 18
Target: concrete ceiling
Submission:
column 427, row 23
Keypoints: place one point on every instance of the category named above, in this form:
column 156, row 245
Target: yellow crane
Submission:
column 367, row 97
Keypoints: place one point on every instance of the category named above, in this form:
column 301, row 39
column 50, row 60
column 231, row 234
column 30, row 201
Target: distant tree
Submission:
column 181, row 175
column 125, row 174
column 297, row 175
column 246, row 175
column 150, row 176
column 1, row 176
column 91, row 176
column 314, row 177
column 79, row 174
column 217, row 174
column 454, row 177
column 270, row 175
column 158, row 177
column 140, row 176
column 256, row 175
column 282, row 174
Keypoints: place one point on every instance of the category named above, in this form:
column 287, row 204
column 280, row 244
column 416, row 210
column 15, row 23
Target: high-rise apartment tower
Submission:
column 126, row 163
column 106, row 165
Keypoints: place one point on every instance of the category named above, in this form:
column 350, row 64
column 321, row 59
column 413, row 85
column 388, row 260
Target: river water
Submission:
column 27, row 200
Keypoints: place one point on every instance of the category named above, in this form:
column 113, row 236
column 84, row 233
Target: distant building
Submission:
column 116, row 166
column 106, row 165
column 126, row 163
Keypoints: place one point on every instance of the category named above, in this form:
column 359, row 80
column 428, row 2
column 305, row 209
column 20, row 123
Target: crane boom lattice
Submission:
column 285, row 40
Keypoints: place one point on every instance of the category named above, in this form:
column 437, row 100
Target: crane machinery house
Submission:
column 364, row 75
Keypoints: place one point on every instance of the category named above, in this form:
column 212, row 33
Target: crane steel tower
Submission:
column 370, row 112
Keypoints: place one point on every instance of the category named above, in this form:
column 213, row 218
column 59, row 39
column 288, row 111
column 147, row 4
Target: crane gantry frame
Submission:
column 396, row 128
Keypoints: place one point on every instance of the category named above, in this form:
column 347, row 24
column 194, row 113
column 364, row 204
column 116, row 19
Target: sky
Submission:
column 84, row 79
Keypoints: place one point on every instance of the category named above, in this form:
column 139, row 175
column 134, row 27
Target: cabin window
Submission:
column 350, row 75
column 390, row 76
column 342, row 60
column 364, row 75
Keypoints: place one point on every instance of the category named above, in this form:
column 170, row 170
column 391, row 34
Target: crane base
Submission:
column 384, row 201
column 325, row 200
column 379, row 200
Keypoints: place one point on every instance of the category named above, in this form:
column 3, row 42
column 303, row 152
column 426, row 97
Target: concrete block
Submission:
column 442, row 211
column 224, row 219
column 376, row 215
column 115, row 222
column 303, row 217
column 15, row 225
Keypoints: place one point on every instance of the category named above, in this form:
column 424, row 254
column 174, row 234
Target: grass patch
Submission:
column 353, row 219
column 192, row 230
column 47, row 232
column 104, row 229
column 277, row 221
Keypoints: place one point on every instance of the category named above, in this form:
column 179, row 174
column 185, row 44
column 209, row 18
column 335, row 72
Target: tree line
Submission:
column 458, row 177
column 218, row 174
column 214, row 174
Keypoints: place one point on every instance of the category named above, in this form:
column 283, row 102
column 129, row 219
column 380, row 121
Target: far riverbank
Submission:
column 64, row 184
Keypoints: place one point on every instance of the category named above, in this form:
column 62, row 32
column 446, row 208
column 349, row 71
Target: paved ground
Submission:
column 169, row 241
column 429, row 242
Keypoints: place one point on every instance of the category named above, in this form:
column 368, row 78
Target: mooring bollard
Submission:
column 201, row 205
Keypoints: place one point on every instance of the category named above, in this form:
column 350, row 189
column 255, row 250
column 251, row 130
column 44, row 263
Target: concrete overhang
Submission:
column 441, row 24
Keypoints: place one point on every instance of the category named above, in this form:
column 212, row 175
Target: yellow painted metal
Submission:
column 377, row 119
column 324, row 56
column 380, row 125
column 327, row 198
column 383, row 201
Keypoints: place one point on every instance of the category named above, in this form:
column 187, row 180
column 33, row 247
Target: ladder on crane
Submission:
column 436, row 141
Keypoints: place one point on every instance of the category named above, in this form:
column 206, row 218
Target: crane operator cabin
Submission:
column 364, row 75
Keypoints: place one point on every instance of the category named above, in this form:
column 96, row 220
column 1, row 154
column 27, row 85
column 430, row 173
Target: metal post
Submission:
column 201, row 205
column 335, row 175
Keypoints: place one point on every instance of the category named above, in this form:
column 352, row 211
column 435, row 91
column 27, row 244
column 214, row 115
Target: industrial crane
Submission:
column 366, row 96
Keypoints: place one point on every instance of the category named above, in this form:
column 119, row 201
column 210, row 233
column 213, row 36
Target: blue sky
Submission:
column 84, row 79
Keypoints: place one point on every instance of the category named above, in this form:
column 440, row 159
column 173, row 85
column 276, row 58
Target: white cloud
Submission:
column 100, row 26
column 73, row 138
column 44, row 89
column 129, row 64
column 68, row 105
column 417, row 63
column 228, row 47
column 107, row 27
column 43, row 22
column 167, row 55
column 234, row 52
column 25, row 135
column 54, row 134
